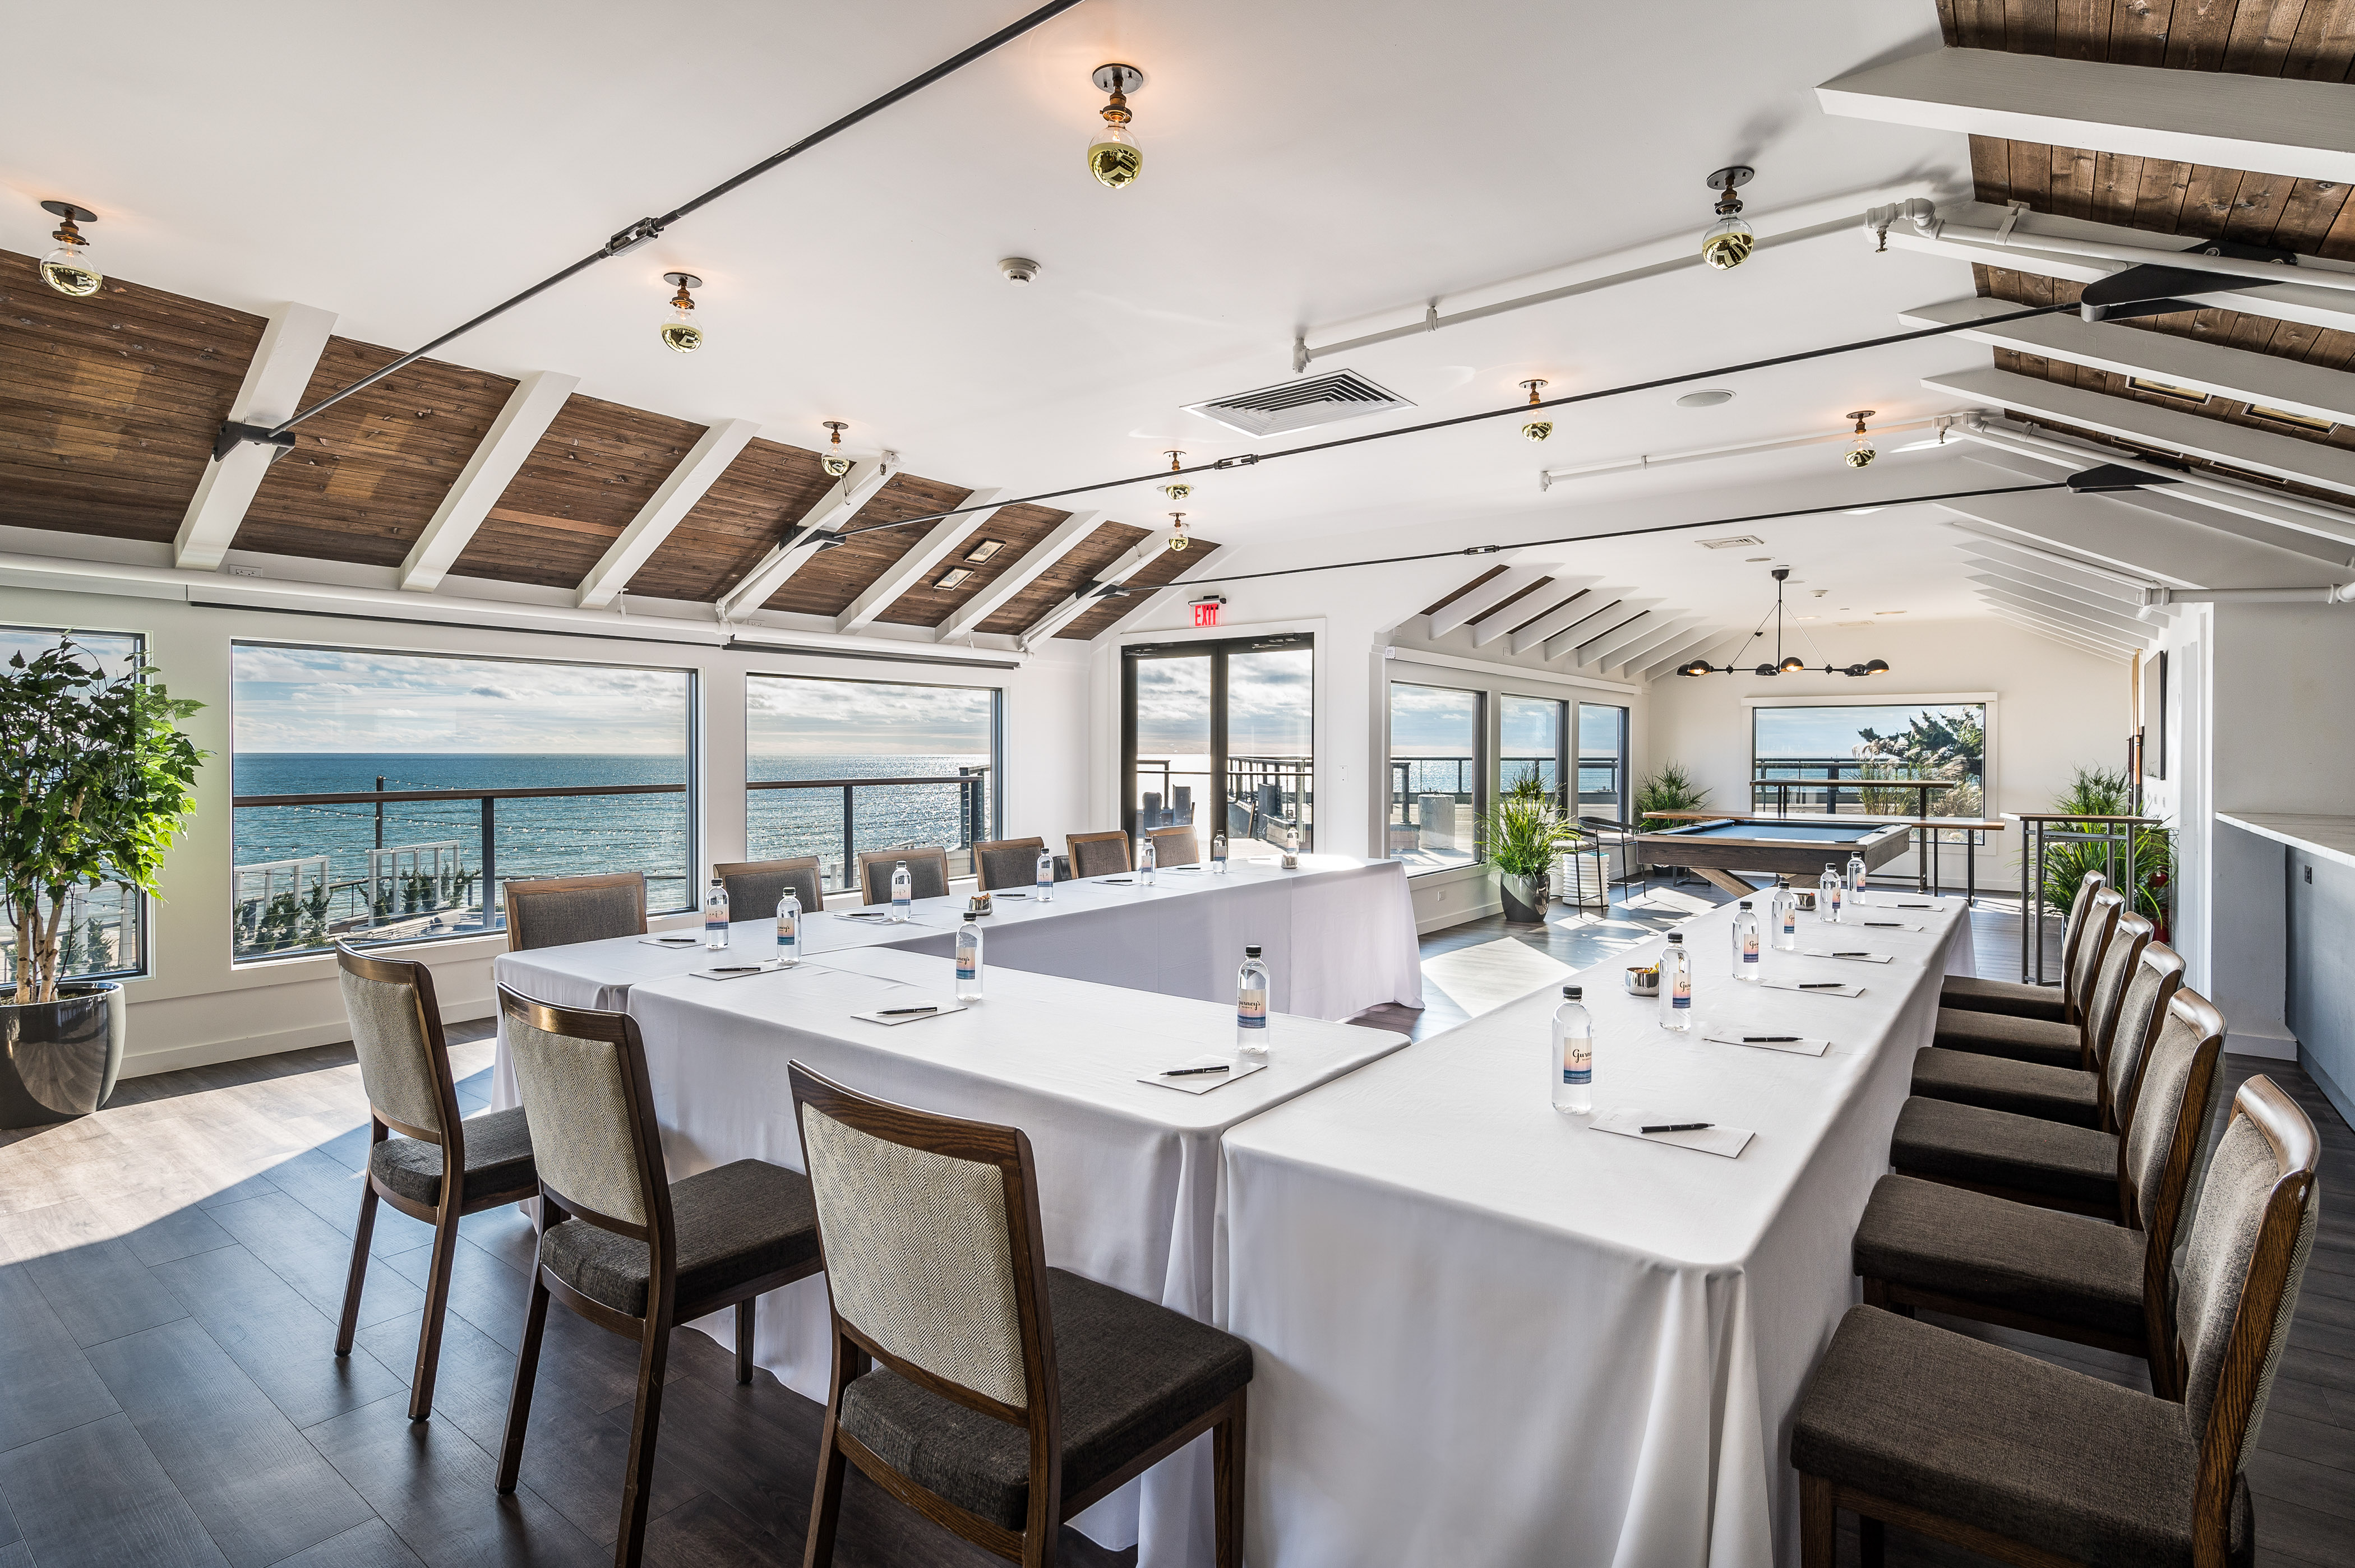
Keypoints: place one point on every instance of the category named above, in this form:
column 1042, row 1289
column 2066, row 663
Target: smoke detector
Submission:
column 1020, row 270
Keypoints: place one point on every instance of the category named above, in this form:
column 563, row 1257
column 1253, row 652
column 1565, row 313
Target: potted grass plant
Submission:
column 1520, row 838
column 98, row 782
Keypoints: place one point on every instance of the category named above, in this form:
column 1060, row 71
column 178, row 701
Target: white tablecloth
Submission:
column 1128, row 1172
column 1486, row 1334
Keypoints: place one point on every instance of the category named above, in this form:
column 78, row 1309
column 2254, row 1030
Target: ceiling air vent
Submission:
column 1296, row 405
column 1732, row 540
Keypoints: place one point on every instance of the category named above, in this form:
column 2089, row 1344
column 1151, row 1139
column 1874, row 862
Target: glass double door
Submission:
column 1219, row 737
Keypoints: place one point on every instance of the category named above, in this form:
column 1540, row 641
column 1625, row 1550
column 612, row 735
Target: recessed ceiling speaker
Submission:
column 1707, row 399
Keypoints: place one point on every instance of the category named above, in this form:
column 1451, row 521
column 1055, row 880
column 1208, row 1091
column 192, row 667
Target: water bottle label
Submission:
column 714, row 925
column 1791, row 920
column 967, row 967
column 1749, row 947
column 1578, row 1065
column 1681, row 996
column 1251, row 1010
column 901, row 906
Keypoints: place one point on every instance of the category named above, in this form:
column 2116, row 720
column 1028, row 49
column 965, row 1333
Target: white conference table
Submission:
column 1128, row 1171
column 1486, row 1333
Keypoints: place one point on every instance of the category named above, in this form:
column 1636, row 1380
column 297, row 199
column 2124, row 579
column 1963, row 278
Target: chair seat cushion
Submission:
column 740, row 1222
column 1972, row 994
column 499, row 1161
column 2015, row 1039
column 1130, row 1373
column 1971, row 1431
column 2062, row 1267
column 1949, row 1141
column 2023, row 1088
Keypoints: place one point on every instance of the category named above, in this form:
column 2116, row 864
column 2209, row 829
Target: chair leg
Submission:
column 1872, row 1547
column 1227, row 1450
column 1817, row 1532
column 638, row 1480
column 535, row 1320
column 350, row 1323
column 437, row 1306
column 744, row 1339
column 825, row 1508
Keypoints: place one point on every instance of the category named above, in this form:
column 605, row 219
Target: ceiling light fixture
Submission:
column 834, row 460
column 1536, row 430
column 1784, row 664
column 1860, row 452
column 67, row 269
column 982, row 551
column 680, row 331
column 1176, row 489
column 1178, row 539
column 1113, row 156
column 951, row 577
column 1729, row 241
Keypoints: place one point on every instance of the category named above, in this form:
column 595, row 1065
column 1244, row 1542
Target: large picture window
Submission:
column 103, row 930
column 384, row 797
column 1438, row 776
column 834, row 767
column 1879, row 760
column 1219, row 736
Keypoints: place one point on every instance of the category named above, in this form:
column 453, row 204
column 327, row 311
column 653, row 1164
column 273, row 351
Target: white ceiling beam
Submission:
column 1641, row 651
column 530, row 409
column 2092, row 631
column 2125, row 586
column 1143, row 605
column 1606, row 617
column 1595, row 650
column 1497, row 622
column 1028, row 568
column 1706, row 644
column 836, row 508
column 1564, row 615
column 1580, row 619
column 271, row 391
column 2040, row 571
column 1465, row 607
column 2120, row 537
column 2305, row 129
column 911, row 569
column 2053, row 634
column 668, row 507
column 2060, row 602
column 2057, row 625
column 1147, row 550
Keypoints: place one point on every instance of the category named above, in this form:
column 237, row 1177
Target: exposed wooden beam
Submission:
column 912, row 569
column 1147, row 552
column 836, row 508
column 272, row 390
column 1465, row 608
column 1564, row 615
column 530, row 409
column 1597, row 650
column 1635, row 654
column 681, row 488
column 2220, row 119
column 1033, row 563
column 1605, row 618
column 1556, row 592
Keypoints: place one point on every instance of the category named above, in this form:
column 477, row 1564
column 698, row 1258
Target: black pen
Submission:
column 896, row 1012
column 1855, row 953
column 1887, row 924
column 1822, row 985
column 1189, row 1071
column 1679, row 1127
column 737, row 969
column 1771, row 1039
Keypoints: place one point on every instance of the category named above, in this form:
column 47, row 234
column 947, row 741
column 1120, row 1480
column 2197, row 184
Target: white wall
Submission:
column 196, row 1006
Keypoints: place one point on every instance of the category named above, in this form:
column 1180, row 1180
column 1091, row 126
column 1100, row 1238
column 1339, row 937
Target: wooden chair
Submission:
column 1176, row 847
column 622, row 1244
column 755, row 888
column 1967, row 1255
column 2047, row 1002
column 2020, row 1459
column 993, row 1394
column 549, row 911
column 415, row 1134
column 2079, row 1044
column 1007, row 863
column 1098, row 854
column 928, row 870
column 2041, row 1135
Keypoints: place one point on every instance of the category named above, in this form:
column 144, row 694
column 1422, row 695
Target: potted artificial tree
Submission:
column 1521, row 837
column 98, row 782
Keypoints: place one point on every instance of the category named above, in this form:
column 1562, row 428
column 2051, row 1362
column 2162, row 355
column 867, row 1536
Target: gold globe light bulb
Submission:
column 1860, row 451
column 1113, row 156
column 68, row 268
column 1729, row 241
column 1178, row 539
column 681, row 333
column 1176, row 489
column 835, row 461
column 1536, row 430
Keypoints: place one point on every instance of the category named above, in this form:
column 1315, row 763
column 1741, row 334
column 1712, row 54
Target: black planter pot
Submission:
column 59, row 1060
column 1524, row 897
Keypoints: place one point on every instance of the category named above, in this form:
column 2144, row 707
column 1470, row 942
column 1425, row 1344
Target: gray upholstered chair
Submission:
column 2079, row 1044
column 2019, row 1458
column 1969, row 1254
column 755, row 888
column 992, row 1393
column 1176, row 847
column 2081, row 1097
column 928, row 873
column 415, row 1134
column 1007, row 863
column 622, row 1244
column 1098, row 854
column 2047, row 1002
column 549, row 911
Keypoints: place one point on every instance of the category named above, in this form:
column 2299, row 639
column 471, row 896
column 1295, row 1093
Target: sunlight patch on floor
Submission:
column 1483, row 979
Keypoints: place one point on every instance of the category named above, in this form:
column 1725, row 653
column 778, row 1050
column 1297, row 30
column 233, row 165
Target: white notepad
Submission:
column 1800, row 1047
column 1857, row 956
column 1203, row 1082
column 683, row 939
column 740, row 971
column 1886, row 925
column 1822, row 988
column 1728, row 1142
column 940, row 1010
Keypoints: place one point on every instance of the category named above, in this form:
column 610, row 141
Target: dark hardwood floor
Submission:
column 170, row 1270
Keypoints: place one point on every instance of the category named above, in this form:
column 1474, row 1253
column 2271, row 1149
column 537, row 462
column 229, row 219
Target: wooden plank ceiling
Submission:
column 109, row 406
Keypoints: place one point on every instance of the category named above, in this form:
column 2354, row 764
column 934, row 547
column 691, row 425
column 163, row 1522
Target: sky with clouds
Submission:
column 797, row 716
column 325, row 700
column 1833, row 731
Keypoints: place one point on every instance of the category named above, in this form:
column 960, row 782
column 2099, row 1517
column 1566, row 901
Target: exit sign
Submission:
column 1206, row 613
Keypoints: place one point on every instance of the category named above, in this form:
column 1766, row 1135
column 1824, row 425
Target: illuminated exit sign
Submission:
column 1205, row 613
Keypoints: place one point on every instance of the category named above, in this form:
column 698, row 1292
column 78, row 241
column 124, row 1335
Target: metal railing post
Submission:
column 849, row 855
column 490, row 860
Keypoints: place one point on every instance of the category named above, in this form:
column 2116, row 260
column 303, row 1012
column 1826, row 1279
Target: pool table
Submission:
column 1722, row 846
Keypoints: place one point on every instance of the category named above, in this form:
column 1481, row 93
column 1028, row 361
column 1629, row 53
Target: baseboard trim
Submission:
column 2332, row 1089
column 2265, row 1042
column 212, row 1052
column 1424, row 927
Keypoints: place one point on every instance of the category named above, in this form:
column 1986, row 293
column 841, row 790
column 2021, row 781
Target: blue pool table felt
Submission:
column 1792, row 832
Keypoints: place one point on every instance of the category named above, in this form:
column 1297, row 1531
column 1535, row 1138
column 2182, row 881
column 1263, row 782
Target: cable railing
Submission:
column 1871, row 785
column 2047, row 833
column 837, row 848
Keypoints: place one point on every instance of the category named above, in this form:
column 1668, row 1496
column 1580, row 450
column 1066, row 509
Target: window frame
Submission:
column 1988, row 774
column 1487, row 705
column 1218, row 649
column 1619, row 762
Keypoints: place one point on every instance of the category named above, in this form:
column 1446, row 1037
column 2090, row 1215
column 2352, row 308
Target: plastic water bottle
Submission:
column 1746, row 942
column 1046, row 878
column 1145, row 859
column 1856, row 876
column 1783, row 915
column 1218, row 854
column 789, row 929
column 1573, row 1053
column 714, row 916
column 1251, row 1005
column 1675, row 985
column 1829, row 895
column 968, row 961
column 903, row 893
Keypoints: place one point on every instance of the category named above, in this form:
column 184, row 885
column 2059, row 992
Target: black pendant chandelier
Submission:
column 1784, row 664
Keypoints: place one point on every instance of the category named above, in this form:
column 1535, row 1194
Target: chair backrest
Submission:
column 2127, row 940
column 1097, row 854
column 2159, row 971
column 929, row 1230
column 548, row 912
column 2101, row 920
column 928, row 873
column 2087, row 886
column 1176, row 847
column 582, row 1076
column 404, row 1059
column 1007, row 863
column 2237, row 1281
column 755, row 888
